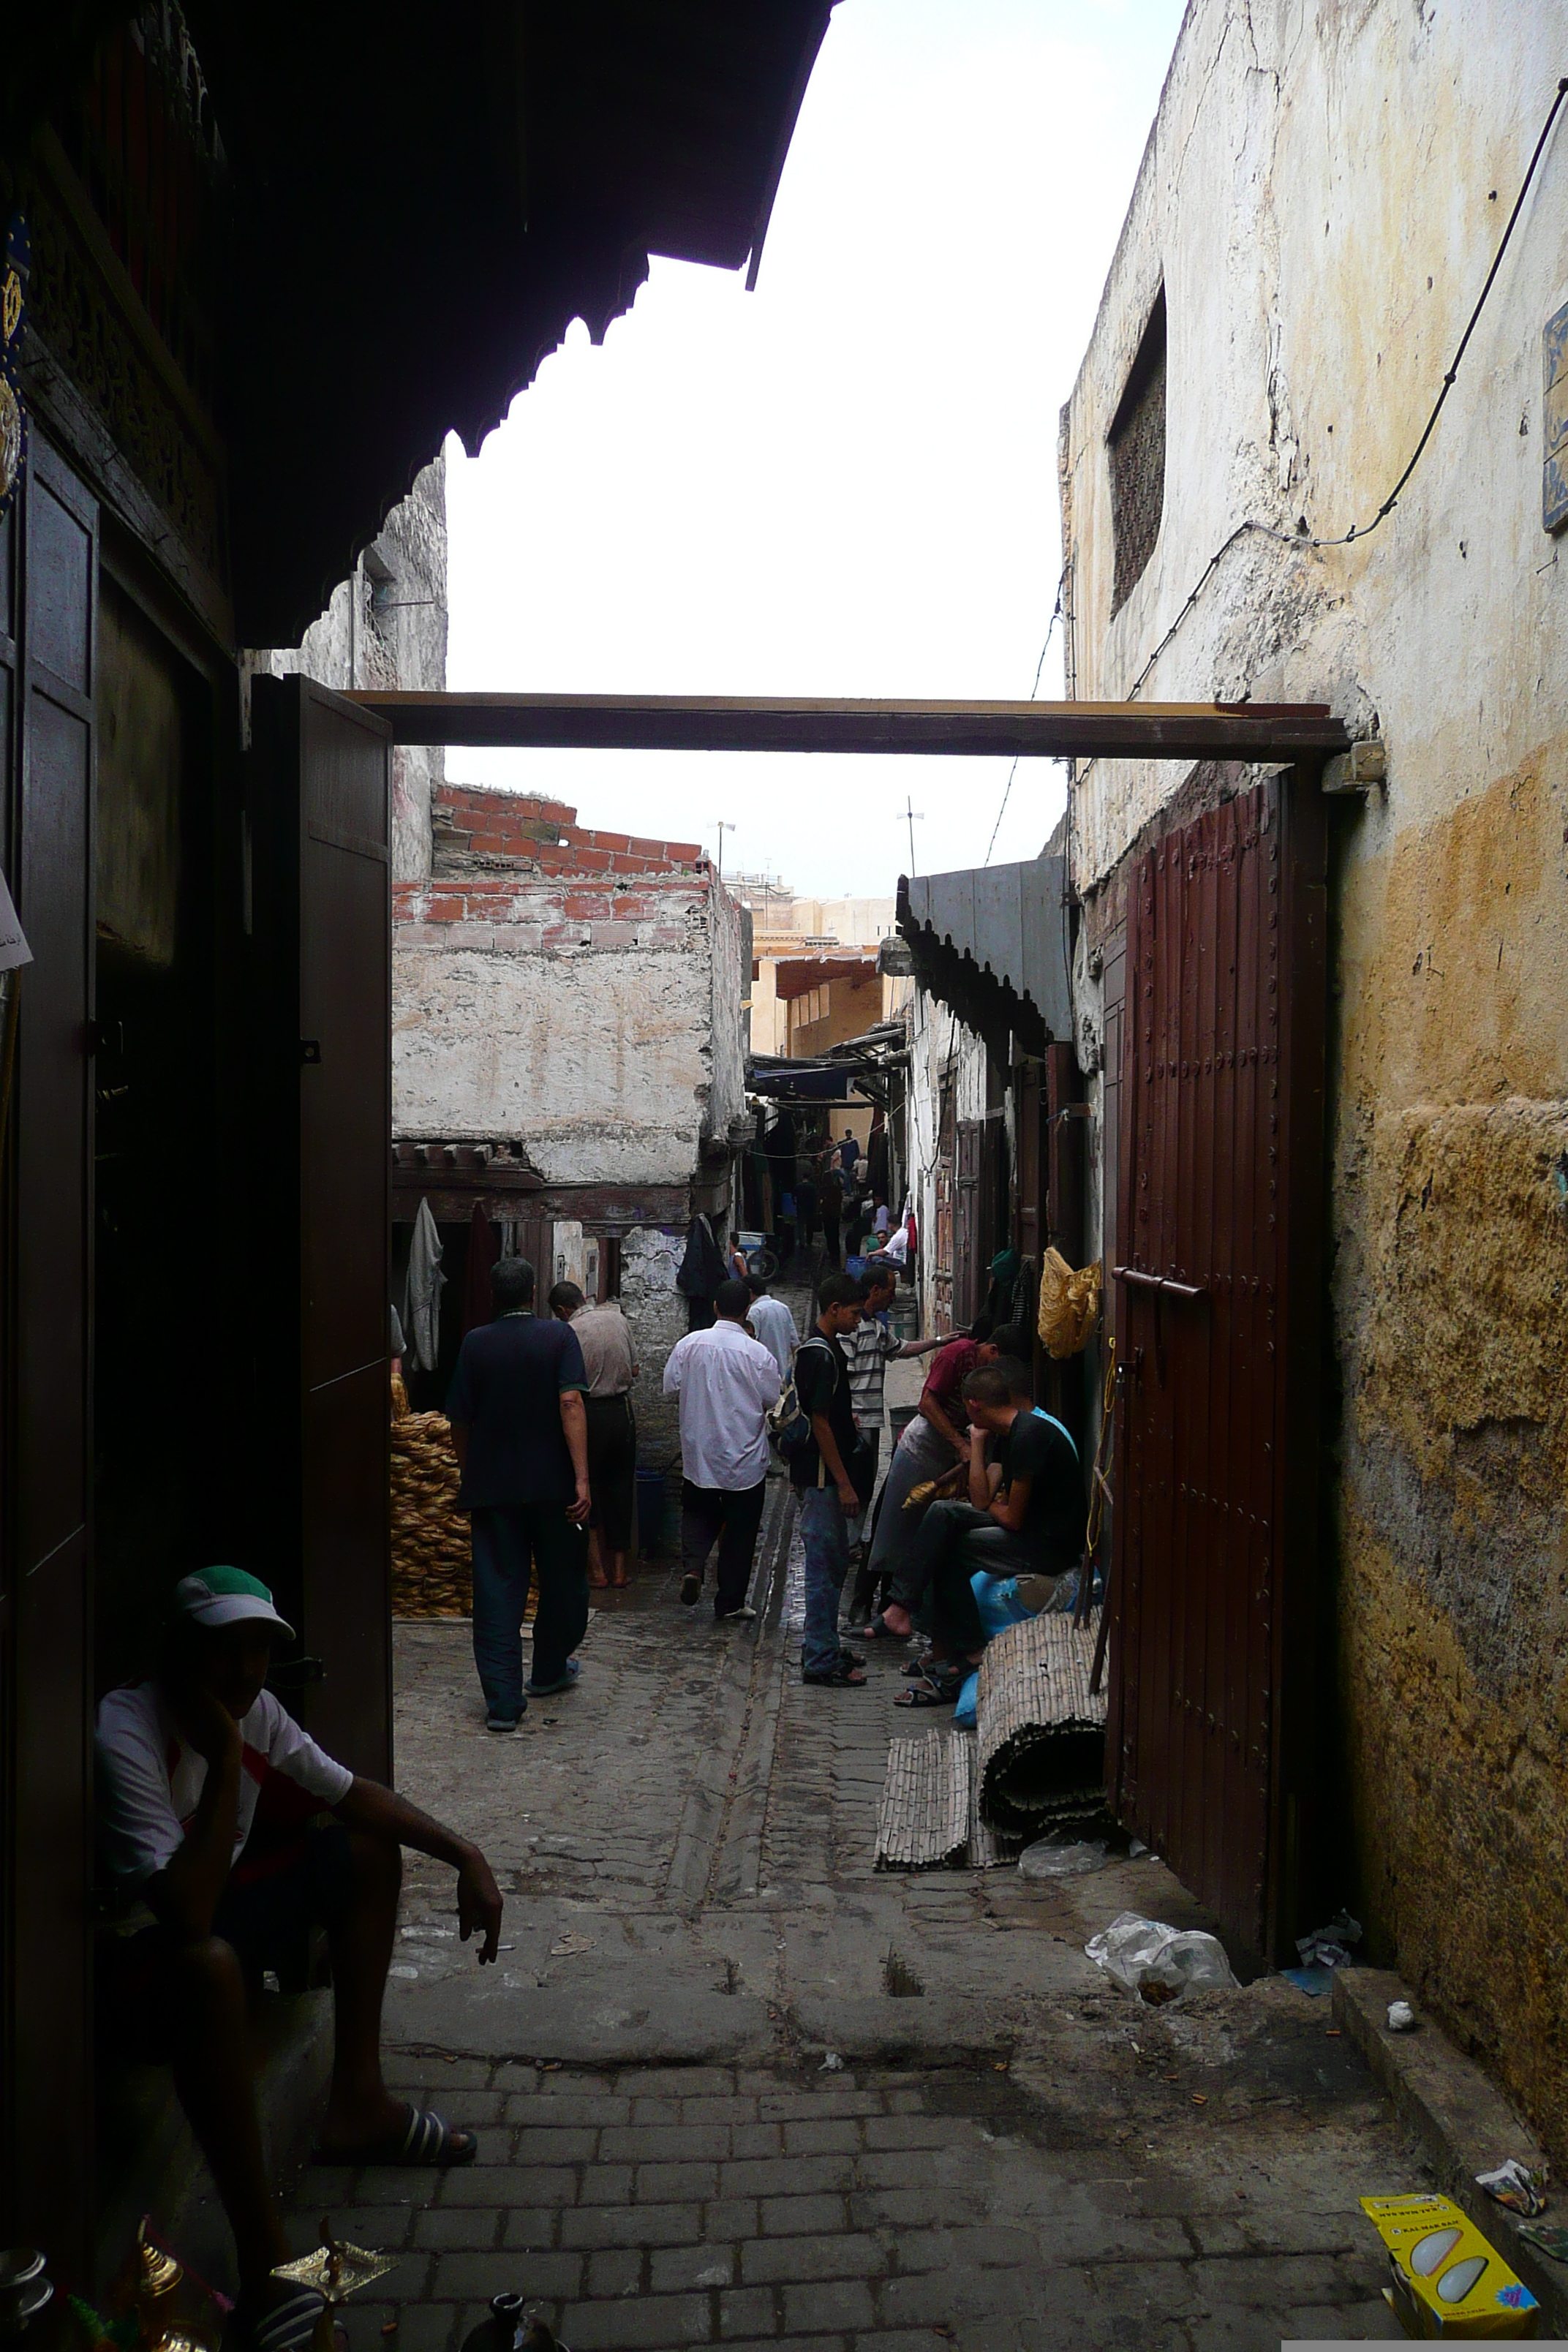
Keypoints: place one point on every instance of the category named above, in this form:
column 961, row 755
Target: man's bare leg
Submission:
column 618, row 1576
column 360, row 2107
column 209, row 2025
column 596, row 1577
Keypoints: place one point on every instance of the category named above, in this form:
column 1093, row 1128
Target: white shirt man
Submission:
column 774, row 1324
column 725, row 1381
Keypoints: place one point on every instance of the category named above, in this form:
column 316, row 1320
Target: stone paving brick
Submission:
column 826, row 2137
column 530, row 2230
column 785, row 2176
column 930, row 2207
column 836, row 2302
column 673, row 2269
column 767, row 2260
column 441, row 2226
column 532, row 2184
column 756, row 2139
column 643, row 2323
column 746, row 2311
column 569, row 2111
column 666, row 2143
column 421, row 2327
column 666, row 2110
column 660, row 2184
column 632, row 2225
column 910, row 2131
column 466, row 2277
column 616, row 2270
column 900, row 2169
column 606, row 2184
column 543, row 2144
column 795, row 2216
column 678, row 2082
column 736, row 2110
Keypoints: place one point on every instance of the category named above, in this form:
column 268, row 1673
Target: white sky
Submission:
column 844, row 483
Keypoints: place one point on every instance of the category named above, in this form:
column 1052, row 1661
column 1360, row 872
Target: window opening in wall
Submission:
column 1137, row 448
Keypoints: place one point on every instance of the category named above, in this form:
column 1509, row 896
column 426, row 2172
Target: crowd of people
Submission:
column 228, row 1833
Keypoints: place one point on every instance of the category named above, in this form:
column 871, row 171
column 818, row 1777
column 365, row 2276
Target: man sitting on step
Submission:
column 228, row 1835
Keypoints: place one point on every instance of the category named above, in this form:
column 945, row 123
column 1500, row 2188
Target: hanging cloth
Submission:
column 701, row 1269
column 422, row 1297
column 484, row 1249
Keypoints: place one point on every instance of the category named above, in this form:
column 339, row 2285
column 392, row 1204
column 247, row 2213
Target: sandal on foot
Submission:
column 691, row 1590
column 425, row 2140
column 286, row 2326
column 879, row 1630
column 928, row 1694
column 921, row 1670
column 843, row 1677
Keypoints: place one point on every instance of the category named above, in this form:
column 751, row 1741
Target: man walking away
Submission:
column 822, row 1471
column 849, row 1152
column 725, row 1381
column 774, row 1324
column 805, row 1207
column 520, row 1430
column 831, row 1198
column 607, row 1343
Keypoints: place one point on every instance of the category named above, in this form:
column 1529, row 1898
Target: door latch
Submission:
column 309, row 1049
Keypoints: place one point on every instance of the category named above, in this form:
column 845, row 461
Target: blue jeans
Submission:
column 827, row 1543
column 504, row 1542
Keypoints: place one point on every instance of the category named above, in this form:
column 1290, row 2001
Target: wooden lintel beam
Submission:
column 676, row 722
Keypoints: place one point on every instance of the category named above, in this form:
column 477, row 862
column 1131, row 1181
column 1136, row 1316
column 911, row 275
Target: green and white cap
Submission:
column 226, row 1596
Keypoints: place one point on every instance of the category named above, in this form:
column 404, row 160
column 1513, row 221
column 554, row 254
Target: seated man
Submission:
column 226, row 1821
column 1026, row 1515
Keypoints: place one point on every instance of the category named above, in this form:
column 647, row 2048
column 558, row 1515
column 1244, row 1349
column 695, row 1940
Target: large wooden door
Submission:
column 968, row 1290
column 49, row 608
column 321, row 808
column 1217, row 1288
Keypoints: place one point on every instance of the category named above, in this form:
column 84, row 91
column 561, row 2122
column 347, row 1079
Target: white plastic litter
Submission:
column 1049, row 1857
column 1330, row 1946
column 1401, row 2017
column 1157, row 1962
column 832, row 2063
column 1137, row 1850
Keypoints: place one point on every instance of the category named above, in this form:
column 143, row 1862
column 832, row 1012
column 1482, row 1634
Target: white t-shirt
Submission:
column 774, row 1324
column 726, row 1381
column 897, row 1247
column 150, row 1782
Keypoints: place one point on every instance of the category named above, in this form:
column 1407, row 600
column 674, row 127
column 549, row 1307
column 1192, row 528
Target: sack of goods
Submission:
column 1069, row 1305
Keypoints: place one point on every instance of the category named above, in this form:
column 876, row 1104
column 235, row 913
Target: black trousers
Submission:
column 714, row 1515
column 612, row 1467
column 952, row 1541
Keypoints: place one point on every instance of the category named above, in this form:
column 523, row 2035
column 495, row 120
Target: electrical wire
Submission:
column 1034, row 690
column 1305, row 539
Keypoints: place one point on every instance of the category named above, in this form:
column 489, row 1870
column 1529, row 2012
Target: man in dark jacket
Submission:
column 520, row 1430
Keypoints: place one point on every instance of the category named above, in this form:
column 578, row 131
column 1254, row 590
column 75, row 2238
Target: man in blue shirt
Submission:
column 519, row 1429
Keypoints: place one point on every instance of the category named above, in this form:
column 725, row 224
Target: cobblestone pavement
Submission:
column 1004, row 2151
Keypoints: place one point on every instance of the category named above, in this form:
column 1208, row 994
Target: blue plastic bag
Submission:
column 964, row 1713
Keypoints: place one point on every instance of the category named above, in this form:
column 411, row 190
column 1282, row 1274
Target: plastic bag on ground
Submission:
column 968, row 1701
column 1157, row 1962
column 1051, row 1857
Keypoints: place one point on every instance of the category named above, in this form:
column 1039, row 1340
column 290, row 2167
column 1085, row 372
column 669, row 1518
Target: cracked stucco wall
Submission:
column 386, row 627
column 1322, row 196
column 573, row 1018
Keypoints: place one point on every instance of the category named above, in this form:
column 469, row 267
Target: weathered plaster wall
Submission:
column 729, row 968
column 571, row 1016
column 1322, row 196
column 386, row 627
column 650, row 1260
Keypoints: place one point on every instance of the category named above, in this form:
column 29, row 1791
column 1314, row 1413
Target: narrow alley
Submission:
column 735, row 2086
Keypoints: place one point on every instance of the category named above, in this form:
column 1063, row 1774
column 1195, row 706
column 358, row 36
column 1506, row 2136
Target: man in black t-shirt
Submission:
column 823, row 1474
column 831, row 1200
column 520, row 1430
column 1025, row 1514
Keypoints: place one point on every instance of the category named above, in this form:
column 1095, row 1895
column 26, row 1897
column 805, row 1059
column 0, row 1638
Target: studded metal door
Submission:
column 1217, row 1302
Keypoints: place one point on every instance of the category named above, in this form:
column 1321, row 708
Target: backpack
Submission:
column 788, row 1426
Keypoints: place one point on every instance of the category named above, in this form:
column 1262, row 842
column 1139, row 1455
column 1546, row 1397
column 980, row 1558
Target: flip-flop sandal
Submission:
column 920, row 1670
column 286, row 2326
column 879, row 1631
column 426, row 2140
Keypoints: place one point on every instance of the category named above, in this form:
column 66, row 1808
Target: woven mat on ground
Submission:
column 1041, row 1755
column 922, row 1820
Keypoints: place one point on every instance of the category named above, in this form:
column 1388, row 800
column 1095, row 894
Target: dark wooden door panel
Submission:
column 966, row 1211
column 49, row 1438
column 1221, row 1133
column 323, row 950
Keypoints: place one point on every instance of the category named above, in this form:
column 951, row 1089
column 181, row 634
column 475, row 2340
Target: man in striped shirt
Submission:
column 870, row 1347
